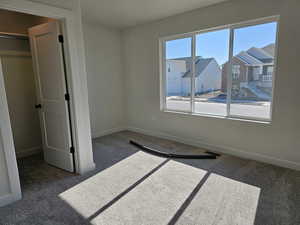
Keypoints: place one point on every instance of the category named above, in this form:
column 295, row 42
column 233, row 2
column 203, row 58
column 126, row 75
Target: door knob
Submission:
column 39, row 106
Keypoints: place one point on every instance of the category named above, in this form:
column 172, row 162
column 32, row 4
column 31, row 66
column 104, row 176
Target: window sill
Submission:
column 251, row 120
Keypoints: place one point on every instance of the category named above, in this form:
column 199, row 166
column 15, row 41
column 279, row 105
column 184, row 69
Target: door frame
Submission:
column 77, row 79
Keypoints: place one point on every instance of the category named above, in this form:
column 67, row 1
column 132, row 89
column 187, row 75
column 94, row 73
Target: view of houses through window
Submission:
column 226, row 72
column 179, row 64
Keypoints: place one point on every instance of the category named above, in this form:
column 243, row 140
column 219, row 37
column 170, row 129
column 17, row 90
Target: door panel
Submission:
column 54, row 139
column 51, row 90
column 49, row 71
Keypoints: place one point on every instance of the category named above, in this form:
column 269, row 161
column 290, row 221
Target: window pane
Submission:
column 178, row 74
column 212, row 50
column 253, row 54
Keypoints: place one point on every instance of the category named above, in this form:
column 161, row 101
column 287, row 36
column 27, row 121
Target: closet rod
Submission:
column 13, row 36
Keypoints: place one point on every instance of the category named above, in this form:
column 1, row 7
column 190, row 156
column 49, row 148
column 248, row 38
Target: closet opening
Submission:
column 34, row 74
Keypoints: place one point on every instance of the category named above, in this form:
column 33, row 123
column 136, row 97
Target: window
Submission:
column 270, row 70
column 224, row 72
column 268, row 77
column 235, row 72
column 178, row 79
column 256, row 72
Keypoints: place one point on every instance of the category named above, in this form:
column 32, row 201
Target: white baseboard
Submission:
column 27, row 152
column 222, row 149
column 107, row 132
column 8, row 199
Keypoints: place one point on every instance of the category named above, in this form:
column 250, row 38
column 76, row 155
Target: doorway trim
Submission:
column 76, row 75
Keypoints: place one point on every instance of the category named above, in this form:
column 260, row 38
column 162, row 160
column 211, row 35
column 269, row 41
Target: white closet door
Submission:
column 51, row 90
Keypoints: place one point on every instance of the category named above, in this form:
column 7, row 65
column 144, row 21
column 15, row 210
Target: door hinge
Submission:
column 38, row 106
column 72, row 149
column 61, row 38
column 67, row 97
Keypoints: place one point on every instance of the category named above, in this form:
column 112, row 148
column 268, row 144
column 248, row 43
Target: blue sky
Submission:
column 216, row 44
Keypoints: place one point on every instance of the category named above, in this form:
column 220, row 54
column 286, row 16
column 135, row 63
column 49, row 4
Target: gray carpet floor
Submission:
column 133, row 187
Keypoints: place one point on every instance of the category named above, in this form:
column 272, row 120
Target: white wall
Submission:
column 58, row 3
column 105, row 79
column 21, row 98
column 277, row 142
column 4, row 185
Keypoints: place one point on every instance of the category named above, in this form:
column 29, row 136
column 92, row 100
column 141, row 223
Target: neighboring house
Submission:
column 176, row 68
column 252, row 73
column 208, row 76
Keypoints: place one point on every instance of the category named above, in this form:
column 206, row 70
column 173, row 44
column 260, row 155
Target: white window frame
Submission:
column 192, row 35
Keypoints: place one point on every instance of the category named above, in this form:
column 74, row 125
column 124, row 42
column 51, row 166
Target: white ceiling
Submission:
column 126, row 13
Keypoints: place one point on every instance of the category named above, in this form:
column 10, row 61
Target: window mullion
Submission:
column 229, row 73
column 164, row 77
column 193, row 74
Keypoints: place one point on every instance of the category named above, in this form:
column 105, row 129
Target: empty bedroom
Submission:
column 149, row 112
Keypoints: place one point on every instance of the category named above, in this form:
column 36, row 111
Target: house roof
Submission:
column 256, row 56
column 247, row 58
column 201, row 64
column 260, row 54
column 270, row 49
